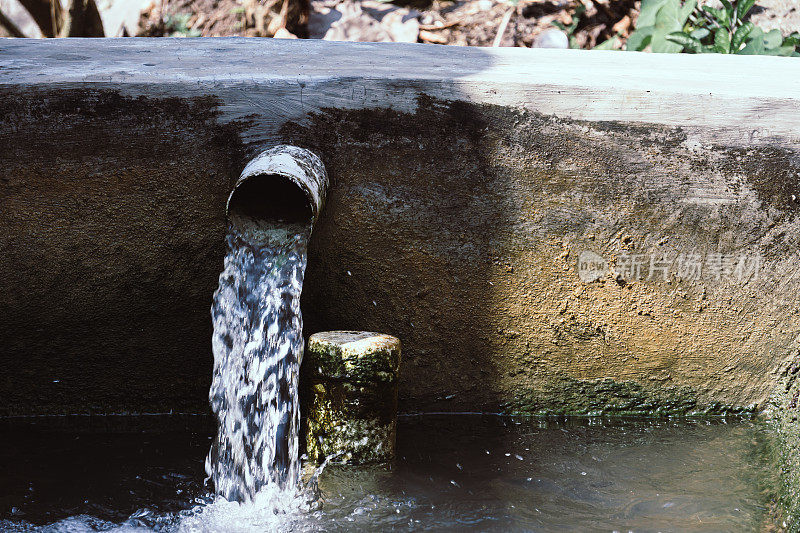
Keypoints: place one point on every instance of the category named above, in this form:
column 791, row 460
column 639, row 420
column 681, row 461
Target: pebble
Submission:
column 551, row 38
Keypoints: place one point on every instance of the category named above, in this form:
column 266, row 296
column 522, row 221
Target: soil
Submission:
column 222, row 18
column 476, row 23
column 781, row 14
column 460, row 22
column 453, row 22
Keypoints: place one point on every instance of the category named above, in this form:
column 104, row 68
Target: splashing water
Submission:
column 257, row 347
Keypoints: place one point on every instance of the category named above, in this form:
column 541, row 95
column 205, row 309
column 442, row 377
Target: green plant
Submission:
column 610, row 44
column 676, row 26
column 614, row 43
column 657, row 20
column 178, row 26
column 573, row 25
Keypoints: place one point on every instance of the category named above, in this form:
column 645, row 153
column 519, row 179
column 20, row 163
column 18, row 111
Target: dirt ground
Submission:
column 476, row 23
column 459, row 22
column 454, row 22
column 781, row 14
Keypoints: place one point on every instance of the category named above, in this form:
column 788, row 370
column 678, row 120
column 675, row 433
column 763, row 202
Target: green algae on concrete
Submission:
column 352, row 396
column 608, row 397
column 784, row 417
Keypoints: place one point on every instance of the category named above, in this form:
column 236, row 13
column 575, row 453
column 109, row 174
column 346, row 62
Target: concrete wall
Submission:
column 467, row 184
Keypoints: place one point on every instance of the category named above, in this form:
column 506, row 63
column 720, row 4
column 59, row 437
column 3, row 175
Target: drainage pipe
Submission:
column 284, row 184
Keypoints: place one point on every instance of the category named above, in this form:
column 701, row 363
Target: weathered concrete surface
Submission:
column 110, row 239
column 466, row 185
column 784, row 420
column 356, row 356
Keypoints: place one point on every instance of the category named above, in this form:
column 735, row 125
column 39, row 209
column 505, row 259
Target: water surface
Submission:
column 455, row 472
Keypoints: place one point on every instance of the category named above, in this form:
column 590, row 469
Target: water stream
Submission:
column 257, row 347
column 257, row 341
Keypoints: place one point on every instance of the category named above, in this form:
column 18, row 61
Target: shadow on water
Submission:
column 480, row 473
column 105, row 467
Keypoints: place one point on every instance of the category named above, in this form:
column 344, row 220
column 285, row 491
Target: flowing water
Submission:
column 453, row 473
column 257, row 347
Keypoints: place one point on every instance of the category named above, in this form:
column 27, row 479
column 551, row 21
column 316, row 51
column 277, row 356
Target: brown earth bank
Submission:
column 454, row 22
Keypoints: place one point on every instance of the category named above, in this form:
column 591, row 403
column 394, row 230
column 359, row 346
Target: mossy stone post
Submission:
column 351, row 407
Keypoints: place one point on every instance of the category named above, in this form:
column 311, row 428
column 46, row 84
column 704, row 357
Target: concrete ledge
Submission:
column 468, row 184
column 743, row 98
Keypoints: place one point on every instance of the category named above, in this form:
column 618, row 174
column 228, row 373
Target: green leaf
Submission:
column 697, row 20
column 609, row 44
column 722, row 41
column 773, row 39
column 792, row 39
column 648, row 12
column 728, row 11
column 785, row 51
column 739, row 37
column 743, row 7
column 754, row 43
column 719, row 15
column 640, row 39
column 669, row 19
column 757, row 33
column 700, row 33
column 686, row 11
column 686, row 41
column 657, row 19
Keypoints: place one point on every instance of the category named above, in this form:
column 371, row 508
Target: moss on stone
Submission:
column 353, row 356
column 352, row 389
column 355, row 422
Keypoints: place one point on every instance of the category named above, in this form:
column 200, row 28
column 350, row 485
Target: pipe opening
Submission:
column 278, row 195
column 270, row 198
